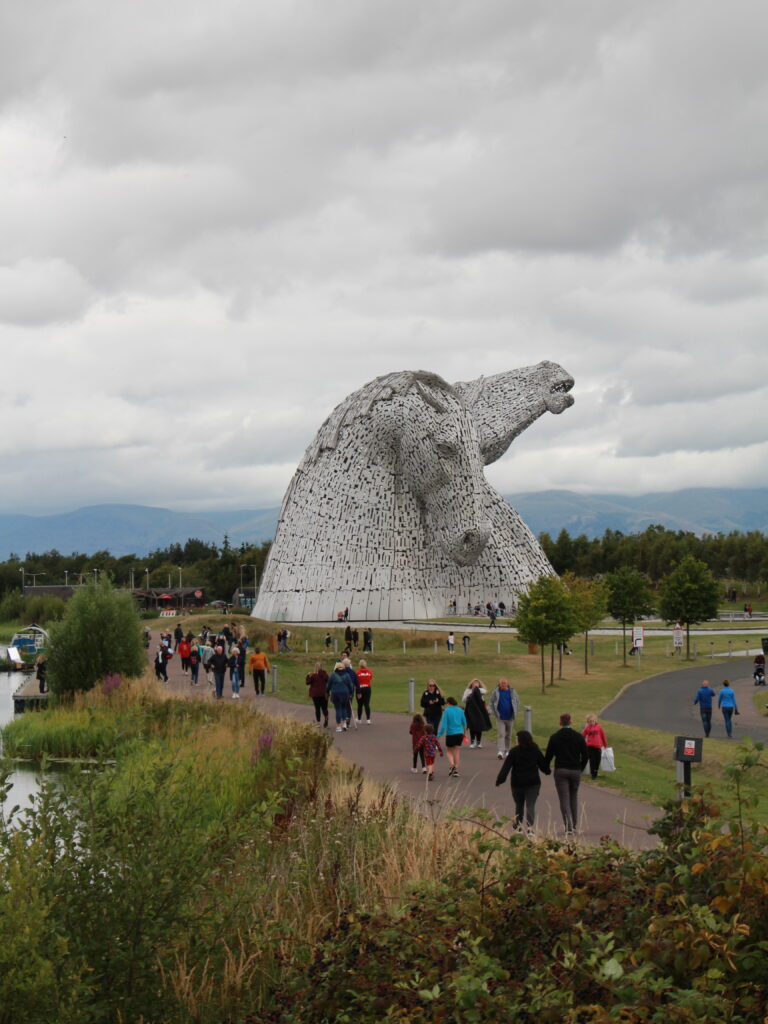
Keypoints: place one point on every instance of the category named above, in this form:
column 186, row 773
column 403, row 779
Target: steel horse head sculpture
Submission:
column 389, row 513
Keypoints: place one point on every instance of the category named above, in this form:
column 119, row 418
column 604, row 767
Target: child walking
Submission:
column 417, row 733
column 430, row 744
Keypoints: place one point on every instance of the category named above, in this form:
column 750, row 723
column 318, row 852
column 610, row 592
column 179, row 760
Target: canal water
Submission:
column 26, row 780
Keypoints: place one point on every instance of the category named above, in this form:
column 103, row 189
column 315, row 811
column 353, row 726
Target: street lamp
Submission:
column 179, row 568
column 95, row 575
column 132, row 579
column 249, row 565
column 34, row 576
column 23, row 584
column 147, row 572
column 66, row 577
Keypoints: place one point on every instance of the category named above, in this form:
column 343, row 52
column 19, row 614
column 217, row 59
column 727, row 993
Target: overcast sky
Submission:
column 218, row 219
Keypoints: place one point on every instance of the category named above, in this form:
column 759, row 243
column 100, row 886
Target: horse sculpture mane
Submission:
column 389, row 513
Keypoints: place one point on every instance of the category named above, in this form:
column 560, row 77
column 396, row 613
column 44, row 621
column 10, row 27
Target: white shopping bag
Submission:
column 607, row 761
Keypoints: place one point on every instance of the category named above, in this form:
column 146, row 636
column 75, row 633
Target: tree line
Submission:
column 220, row 571
column 655, row 551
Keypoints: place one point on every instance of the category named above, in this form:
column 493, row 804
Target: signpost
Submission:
column 687, row 750
column 677, row 638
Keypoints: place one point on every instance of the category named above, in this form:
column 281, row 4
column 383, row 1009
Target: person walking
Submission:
column 432, row 703
column 258, row 666
column 218, row 663
column 194, row 663
column 161, row 663
column 367, row 639
column 504, row 706
column 453, row 725
column 317, row 682
column 568, row 748
column 354, row 685
column 363, row 691
column 476, row 712
column 340, row 690
column 705, row 696
column 430, row 745
column 523, row 764
column 451, row 642
column 726, row 701
column 417, row 730
column 182, row 649
column 595, row 738
column 234, row 671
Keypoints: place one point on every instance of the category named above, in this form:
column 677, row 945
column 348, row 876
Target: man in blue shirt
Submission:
column 726, row 701
column 704, row 697
column 504, row 708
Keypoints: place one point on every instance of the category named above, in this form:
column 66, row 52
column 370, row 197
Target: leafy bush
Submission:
column 44, row 608
column 549, row 933
column 98, row 636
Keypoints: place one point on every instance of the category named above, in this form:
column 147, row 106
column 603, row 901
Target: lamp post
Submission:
column 66, row 577
column 34, row 576
column 23, row 584
column 179, row 568
column 249, row 565
column 95, row 575
column 147, row 572
column 132, row 580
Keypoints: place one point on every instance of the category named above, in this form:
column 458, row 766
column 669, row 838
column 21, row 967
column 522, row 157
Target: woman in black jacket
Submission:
column 524, row 761
column 432, row 703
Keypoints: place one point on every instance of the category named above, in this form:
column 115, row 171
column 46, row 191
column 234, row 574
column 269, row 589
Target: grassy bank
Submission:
column 183, row 880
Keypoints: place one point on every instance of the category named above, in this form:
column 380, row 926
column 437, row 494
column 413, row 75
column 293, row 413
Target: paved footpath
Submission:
column 383, row 751
column 666, row 701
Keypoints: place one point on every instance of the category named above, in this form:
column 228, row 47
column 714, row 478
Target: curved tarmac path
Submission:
column 383, row 751
column 665, row 702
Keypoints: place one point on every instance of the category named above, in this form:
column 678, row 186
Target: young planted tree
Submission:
column 629, row 599
column 689, row 594
column 545, row 615
column 590, row 604
column 99, row 635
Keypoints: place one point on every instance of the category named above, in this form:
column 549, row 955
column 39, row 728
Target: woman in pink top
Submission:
column 595, row 737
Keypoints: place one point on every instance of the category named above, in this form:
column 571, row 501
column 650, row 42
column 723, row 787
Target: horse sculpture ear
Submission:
column 505, row 404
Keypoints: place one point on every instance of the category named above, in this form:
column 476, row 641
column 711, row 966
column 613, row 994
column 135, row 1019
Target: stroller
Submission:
column 758, row 673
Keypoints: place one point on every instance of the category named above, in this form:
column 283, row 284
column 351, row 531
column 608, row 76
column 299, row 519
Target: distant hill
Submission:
column 139, row 529
column 130, row 529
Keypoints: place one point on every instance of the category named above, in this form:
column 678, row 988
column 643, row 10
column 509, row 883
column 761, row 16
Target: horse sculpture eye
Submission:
column 445, row 451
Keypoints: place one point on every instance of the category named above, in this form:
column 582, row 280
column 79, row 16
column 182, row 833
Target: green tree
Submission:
column 545, row 615
column 100, row 634
column 590, row 604
column 629, row 599
column 689, row 594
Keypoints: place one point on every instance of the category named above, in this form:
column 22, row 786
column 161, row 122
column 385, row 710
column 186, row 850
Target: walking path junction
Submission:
column 383, row 751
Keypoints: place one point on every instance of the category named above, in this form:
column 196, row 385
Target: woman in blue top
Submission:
column 726, row 701
column 453, row 725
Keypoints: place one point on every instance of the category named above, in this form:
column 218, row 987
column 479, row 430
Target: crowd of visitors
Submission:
column 444, row 725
